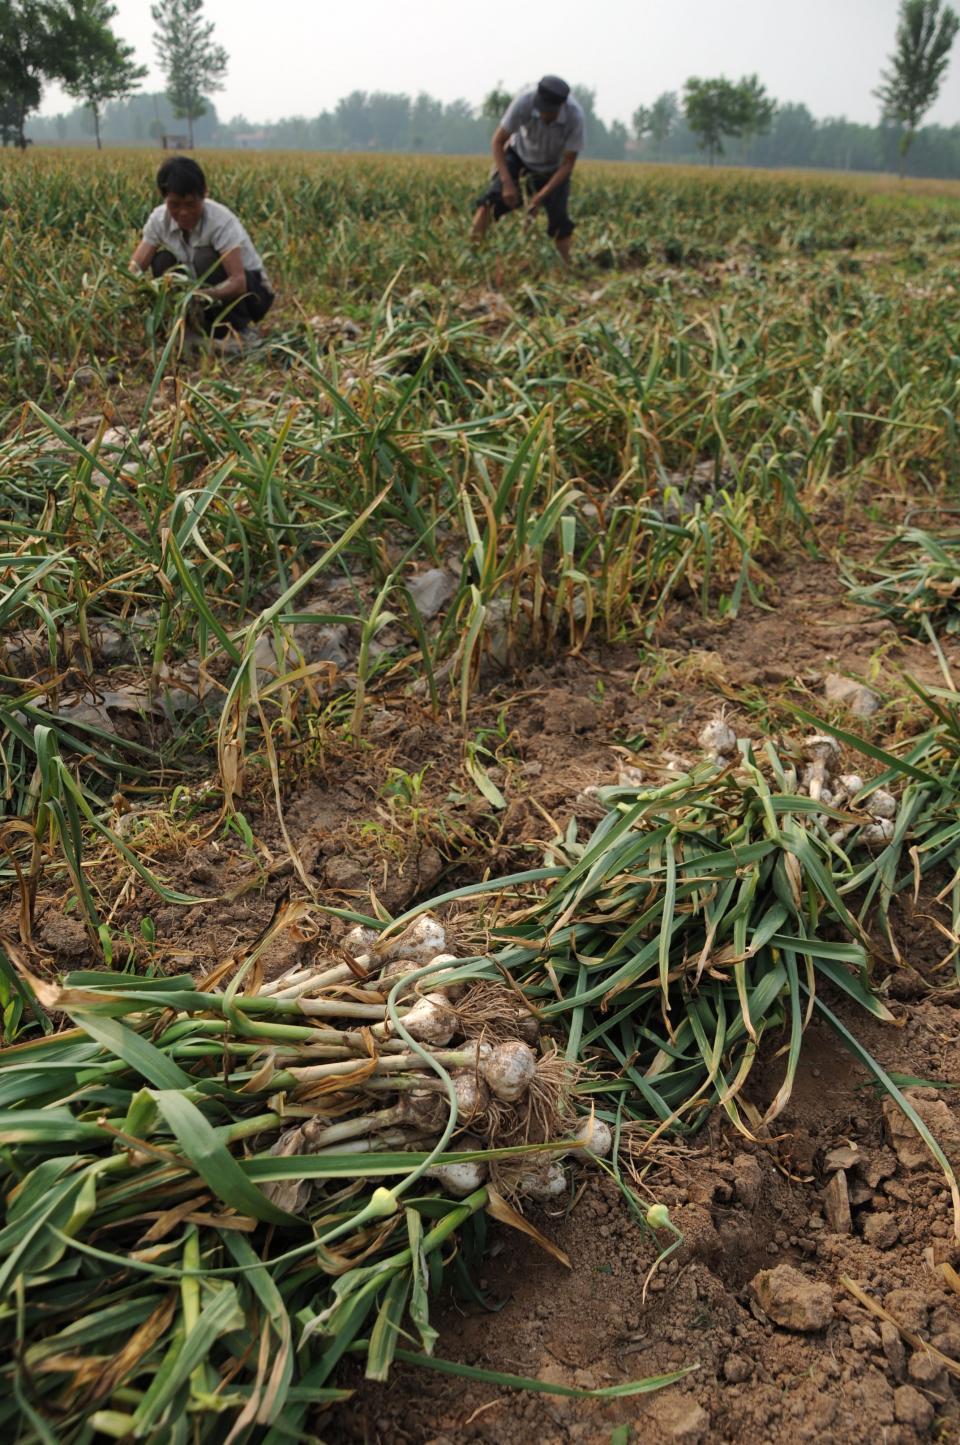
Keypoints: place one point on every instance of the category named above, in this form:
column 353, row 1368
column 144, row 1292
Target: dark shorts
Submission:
column 559, row 224
column 216, row 317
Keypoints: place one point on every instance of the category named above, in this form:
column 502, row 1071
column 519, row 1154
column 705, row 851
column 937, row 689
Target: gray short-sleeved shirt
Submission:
column 539, row 145
column 218, row 229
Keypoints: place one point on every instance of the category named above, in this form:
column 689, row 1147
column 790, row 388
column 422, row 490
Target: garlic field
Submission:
column 484, row 761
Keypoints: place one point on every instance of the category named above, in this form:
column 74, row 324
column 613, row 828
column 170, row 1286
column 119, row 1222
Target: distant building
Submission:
column 249, row 140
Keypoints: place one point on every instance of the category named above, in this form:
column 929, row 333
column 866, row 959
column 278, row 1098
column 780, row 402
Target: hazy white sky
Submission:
column 290, row 57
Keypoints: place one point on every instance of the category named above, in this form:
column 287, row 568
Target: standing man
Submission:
column 536, row 143
column 205, row 239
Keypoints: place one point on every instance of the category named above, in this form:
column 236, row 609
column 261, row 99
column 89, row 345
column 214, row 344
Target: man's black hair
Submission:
column 181, row 176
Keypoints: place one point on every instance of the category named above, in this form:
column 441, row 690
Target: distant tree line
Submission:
column 735, row 119
column 794, row 137
column 379, row 121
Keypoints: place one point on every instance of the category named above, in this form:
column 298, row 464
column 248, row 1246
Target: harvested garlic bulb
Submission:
column 359, row 941
column 428, row 1110
column 878, row 834
column 595, row 1135
column 718, row 738
column 509, row 1069
column 528, row 1026
column 422, row 940
column 822, row 753
column 431, row 1020
column 437, row 980
column 473, row 1096
column 851, row 783
column 460, row 1179
column 545, row 1183
column 881, row 804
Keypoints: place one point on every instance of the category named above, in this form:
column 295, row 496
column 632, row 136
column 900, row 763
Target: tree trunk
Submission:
column 190, row 130
column 96, row 126
column 904, row 147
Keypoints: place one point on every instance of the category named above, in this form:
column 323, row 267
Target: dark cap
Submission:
column 552, row 90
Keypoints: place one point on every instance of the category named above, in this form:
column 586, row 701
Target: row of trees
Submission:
column 73, row 42
column 717, row 110
column 795, row 137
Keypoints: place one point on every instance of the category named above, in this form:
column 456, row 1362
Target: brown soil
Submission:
column 743, row 1206
column 742, row 1209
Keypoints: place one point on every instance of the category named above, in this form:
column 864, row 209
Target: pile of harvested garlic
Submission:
column 511, row 1087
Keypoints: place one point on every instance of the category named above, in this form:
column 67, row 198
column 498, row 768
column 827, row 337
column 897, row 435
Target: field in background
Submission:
column 365, row 619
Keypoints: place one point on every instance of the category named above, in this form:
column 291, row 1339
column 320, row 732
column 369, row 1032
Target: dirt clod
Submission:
column 948, row 1343
column 912, row 1408
column 881, row 1230
column 926, row 1371
column 855, row 697
column 894, row 1352
column 737, row 1369
column 65, row 937
column 677, row 1417
column 909, row 1307
column 910, row 1149
column 792, row 1300
column 747, row 1179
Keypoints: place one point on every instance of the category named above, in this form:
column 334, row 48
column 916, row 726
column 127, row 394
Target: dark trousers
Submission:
column 218, row 317
column 559, row 224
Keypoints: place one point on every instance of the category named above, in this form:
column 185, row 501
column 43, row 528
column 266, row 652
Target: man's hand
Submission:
column 511, row 195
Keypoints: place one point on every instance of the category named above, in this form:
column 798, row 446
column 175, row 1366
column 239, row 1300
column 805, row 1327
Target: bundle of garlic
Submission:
column 380, row 1085
column 841, row 791
column 821, row 781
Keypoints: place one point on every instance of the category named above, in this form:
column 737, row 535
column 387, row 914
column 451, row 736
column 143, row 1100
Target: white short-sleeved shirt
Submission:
column 539, row 144
column 218, row 229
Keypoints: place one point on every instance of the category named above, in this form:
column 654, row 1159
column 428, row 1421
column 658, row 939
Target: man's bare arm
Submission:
column 511, row 196
column 562, row 173
column 141, row 258
column 236, row 282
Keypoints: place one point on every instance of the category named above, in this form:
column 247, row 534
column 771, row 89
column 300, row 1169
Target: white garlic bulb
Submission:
column 460, row 1179
column 473, row 1096
column 359, row 941
column 881, row 804
column 431, row 1020
column 422, row 940
column 546, row 1182
column 718, row 738
column 878, row 834
column 510, row 1069
column 595, row 1134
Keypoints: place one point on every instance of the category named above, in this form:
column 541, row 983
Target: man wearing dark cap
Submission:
column 536, row 144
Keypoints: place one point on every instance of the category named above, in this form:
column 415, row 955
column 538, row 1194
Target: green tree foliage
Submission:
column 189, row 58
column 925, row 34
column 718, row 109
column 37, row 43
column 106, row 69
column 664, row 114
column 641, row 121
column 495, row 102
column 657, row 121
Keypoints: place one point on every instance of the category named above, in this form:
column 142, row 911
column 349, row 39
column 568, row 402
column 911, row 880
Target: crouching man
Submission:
column 207, row 241
column 535, row 145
